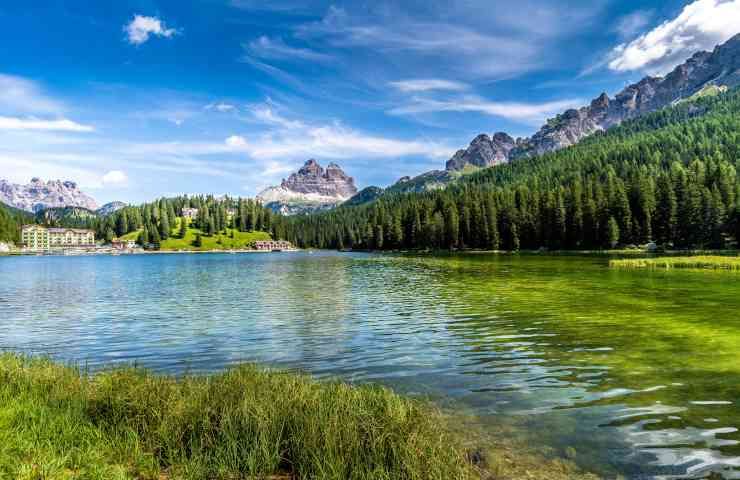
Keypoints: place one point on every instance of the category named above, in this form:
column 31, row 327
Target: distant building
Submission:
column 271, row 245
column 190, row 213
column 37, row 237
column 121, row 244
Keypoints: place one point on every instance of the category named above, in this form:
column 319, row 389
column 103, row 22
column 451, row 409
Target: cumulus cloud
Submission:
column 531, row 113
column 65, row 125
column 115, row 178
column 141, row 28
column 700, row 26
column 427, row 84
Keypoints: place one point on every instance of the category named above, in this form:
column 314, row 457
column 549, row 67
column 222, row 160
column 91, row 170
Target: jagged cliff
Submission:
column 311, row 188
column 702, row 72
column 39, row 195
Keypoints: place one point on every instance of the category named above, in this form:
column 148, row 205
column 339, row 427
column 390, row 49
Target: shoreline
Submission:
column 244, row 422
column 137, row 252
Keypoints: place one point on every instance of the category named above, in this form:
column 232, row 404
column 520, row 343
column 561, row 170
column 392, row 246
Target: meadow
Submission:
column 228, row 239
column 703, row 262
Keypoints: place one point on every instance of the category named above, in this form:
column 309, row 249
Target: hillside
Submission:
column 670, row 176
column 11, row 220
column 228, row 239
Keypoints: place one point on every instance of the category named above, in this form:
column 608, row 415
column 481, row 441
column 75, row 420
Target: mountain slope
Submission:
column 110, row 208
column 39, row 195
column 670, row 176
column 703, row 72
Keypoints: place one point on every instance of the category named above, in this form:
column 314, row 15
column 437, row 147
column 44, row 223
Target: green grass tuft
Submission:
column 697, row 262
column 247, row 423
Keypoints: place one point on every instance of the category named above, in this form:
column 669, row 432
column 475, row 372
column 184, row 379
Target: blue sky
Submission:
column 139, row 99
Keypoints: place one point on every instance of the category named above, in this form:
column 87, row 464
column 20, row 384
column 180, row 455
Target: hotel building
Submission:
column 37, row 237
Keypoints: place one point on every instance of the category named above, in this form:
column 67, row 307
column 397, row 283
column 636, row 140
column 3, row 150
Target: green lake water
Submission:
column 638, row 371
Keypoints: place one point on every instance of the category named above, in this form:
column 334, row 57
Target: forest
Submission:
column 669, row 177
column 11, row 220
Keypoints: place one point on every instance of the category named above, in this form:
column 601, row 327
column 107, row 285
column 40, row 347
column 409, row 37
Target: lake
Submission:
column 638, row 371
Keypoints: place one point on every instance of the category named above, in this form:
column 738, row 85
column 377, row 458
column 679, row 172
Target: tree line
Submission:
column 670, row 177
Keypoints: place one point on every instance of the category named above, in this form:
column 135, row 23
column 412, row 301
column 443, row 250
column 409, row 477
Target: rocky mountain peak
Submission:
column 484, row 151
column 311, row 188
column 312, row 178
column 39, row 195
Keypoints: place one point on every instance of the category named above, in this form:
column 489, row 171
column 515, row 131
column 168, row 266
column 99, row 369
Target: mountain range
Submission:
column 314, row 188
column 705, row 73
column 39, row 196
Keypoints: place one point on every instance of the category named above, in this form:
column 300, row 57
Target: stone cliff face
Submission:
column 484, row 151
column 719, row 68
column 313, row 179
column 310, row 189
column 39, row 195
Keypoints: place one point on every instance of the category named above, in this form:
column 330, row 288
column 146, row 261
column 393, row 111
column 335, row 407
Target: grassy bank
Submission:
column 245, row 423
column 58, row 423
column 697, row 262
column 230, row 239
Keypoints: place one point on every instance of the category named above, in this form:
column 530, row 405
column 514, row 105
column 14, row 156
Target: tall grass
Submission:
column 697, row 262
column 248, row 423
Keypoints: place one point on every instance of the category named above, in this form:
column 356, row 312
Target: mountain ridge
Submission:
column 719, row 68
column 39, row 195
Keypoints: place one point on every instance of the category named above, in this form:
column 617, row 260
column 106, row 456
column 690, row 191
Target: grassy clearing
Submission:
column 697, row 262
column 247, row 423
column 228, row 240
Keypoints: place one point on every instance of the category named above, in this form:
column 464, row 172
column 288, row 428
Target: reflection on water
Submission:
column 637, row 371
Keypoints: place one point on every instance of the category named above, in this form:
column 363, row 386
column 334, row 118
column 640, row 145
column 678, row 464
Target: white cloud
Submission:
column 222, row 107
column 142, row 27
column 296, row 140
column 14, row 123
column 20, row 95
column 115, row 178
column 19, row 167
column 700, row 26
column 633, row 23
column 532, row 113
column 236, row 142
column 427, row 84
column 338, row 142
column 425, row 42
column 266, row 113
column 265, row 47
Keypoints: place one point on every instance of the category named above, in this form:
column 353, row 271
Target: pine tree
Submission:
column 183, row 227
column 613, row 228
